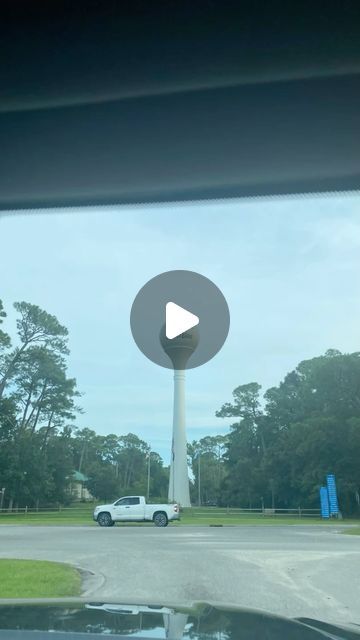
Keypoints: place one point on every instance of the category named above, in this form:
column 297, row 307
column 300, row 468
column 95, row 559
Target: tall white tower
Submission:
column 179, row 350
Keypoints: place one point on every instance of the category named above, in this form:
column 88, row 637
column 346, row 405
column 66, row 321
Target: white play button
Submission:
column 164, row 325
column 178, row 320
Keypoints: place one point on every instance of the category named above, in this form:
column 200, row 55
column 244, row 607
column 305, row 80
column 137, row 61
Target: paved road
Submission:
column 291, row 570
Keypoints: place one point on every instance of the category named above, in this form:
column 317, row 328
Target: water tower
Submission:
column 179, row 350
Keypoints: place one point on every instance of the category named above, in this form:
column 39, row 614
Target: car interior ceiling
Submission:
column 115, row 103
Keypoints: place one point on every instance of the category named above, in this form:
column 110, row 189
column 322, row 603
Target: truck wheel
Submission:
column 104, row 519
column 160, row 519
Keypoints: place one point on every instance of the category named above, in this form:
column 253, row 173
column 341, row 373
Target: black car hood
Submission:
column 70, row 620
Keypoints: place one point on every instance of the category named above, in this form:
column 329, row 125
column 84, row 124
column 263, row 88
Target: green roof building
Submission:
column 77, row 486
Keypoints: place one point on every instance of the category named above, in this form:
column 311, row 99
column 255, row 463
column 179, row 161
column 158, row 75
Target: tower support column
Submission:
column 179, row 478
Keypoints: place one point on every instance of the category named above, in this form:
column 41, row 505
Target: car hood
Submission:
column 72, row 619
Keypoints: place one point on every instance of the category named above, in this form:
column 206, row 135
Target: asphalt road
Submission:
column 291, row 570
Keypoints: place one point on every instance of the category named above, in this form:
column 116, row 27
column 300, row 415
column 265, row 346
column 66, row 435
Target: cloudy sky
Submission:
column 289, row 269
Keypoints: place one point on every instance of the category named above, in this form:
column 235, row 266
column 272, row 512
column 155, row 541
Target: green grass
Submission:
column 213, row 517
column 82, row 515
column 38, row 579
column 73, row 516
column 354, row 531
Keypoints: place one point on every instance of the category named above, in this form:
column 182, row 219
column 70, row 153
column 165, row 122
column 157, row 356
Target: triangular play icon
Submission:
column 178, row 320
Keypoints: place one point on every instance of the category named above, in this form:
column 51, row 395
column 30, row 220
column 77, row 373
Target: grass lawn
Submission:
column 82, row 515
column 354, row 531
column 38, row 579
column 216, row 517
column 73, row 517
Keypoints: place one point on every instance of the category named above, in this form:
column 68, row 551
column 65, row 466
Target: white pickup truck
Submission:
column 135, row 509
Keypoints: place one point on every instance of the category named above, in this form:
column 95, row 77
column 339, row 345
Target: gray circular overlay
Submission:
column 193, row 292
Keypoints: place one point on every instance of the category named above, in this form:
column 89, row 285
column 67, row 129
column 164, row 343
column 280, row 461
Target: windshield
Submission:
column 180, row 405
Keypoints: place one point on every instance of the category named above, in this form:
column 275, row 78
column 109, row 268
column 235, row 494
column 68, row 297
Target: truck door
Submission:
column 136, row 510
column 121, row 509
column 128, row 509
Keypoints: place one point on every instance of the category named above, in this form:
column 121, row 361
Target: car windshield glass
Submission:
column 198, row 360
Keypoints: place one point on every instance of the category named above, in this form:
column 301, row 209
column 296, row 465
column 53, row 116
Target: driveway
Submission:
column 310, row 571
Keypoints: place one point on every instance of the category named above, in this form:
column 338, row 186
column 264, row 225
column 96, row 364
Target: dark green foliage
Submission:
column 310, row 426
column 40, row 448
column 278, row 451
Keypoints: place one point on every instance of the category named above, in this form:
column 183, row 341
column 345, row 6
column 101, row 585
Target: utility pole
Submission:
column 219, row 464
column 2, row 497
column 199, row 479
column 272, row 494
column 148, row 475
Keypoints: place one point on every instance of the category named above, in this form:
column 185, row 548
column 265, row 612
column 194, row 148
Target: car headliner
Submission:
column 124, row 102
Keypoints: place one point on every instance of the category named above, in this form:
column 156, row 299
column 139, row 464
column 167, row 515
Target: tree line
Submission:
column 40, row 445
column 282, row 445
column 277, row 452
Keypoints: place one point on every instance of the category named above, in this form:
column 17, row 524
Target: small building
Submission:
column 77, row 487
